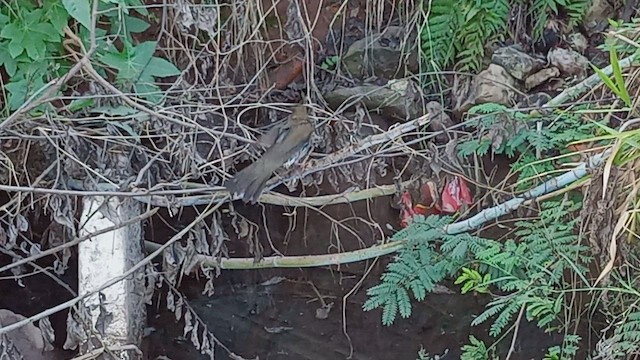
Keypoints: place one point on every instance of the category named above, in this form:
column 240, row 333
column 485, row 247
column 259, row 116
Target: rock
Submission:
column 578, row 42
column 540, row 77
column 535, row 100
column 597, row 17
column 516, row 62
column 27, row 341
column 569, row 62
column 380, row 55
column 493, row 84
column 440, row 121
column 398, row 98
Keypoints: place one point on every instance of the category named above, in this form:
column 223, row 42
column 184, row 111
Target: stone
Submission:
column 597, row 17
column 516, row 62
column 535, row 100
column 388, row 55
column 569, row 62
column 398, row 98
column 578, row 42
column 26, row 342
column 492, row 85
column 540, row 77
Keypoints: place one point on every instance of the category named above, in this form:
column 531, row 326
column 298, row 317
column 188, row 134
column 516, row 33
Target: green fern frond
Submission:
column 389, row 311
column 539, row 13
column 437, row 32
column 493, row 308
column 626, row 336
column 417, row 268
column 504, row 318
column 477, row 350
column 483, row 20
column 541, row 9
column 404, row 302
column 567, row 351
column 576, row 10
column 457, row 31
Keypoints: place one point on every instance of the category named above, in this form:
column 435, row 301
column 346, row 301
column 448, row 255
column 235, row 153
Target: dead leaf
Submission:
column 613, row 247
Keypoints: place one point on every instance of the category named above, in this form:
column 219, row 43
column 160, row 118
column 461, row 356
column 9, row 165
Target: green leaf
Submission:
column 116, row 60
column 139, row 7
column 132, row 61
column 15, row 48
column 46, row 32
column 149, row 91
column 79, row 10
column 80, row 104
column 617, row 73
column 605, row 79
column 10, row 64
column 17, row 93
column 36, row 44
column 135, row 25
column 160, row 67
column 143, row 53
column 4, row 19
column 57, row 15
column 13, row 32
column 121, row 110
column 126, row 128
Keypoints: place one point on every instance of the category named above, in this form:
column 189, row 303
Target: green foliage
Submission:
column 567, row 351
column 137, row 68
column 476, row 350
column 540, row 10
column 437, row 33
column 29, row 37
column 418, row 267
column 481, row 22
column 31, row 49
column 617, row 84
column 512, row 132
column 458, row 31
column 530, row 271
column 473, row 280
column 629, row 30
column 330, row 62
column 424, row 355
column 626, row 336
column 533, row 269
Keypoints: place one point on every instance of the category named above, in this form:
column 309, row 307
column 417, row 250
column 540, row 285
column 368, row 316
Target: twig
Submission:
column 391, row 247
column 295, row 261
column 587, row 84
column 515, row 333
column 507, row 207
column 78, row 240
column 364, row 144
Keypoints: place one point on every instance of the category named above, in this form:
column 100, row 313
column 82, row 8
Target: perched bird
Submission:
column 287, row 143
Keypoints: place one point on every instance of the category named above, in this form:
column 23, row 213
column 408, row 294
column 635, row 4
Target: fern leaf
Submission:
column 389, row 312
column 404, row 302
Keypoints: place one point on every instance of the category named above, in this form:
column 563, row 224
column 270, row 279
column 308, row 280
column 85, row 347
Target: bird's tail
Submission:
column 249, row 183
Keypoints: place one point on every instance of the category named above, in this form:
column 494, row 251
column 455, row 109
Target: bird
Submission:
column 287, row 143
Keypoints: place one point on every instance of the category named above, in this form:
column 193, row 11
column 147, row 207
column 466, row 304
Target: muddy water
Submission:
column 280, row 322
